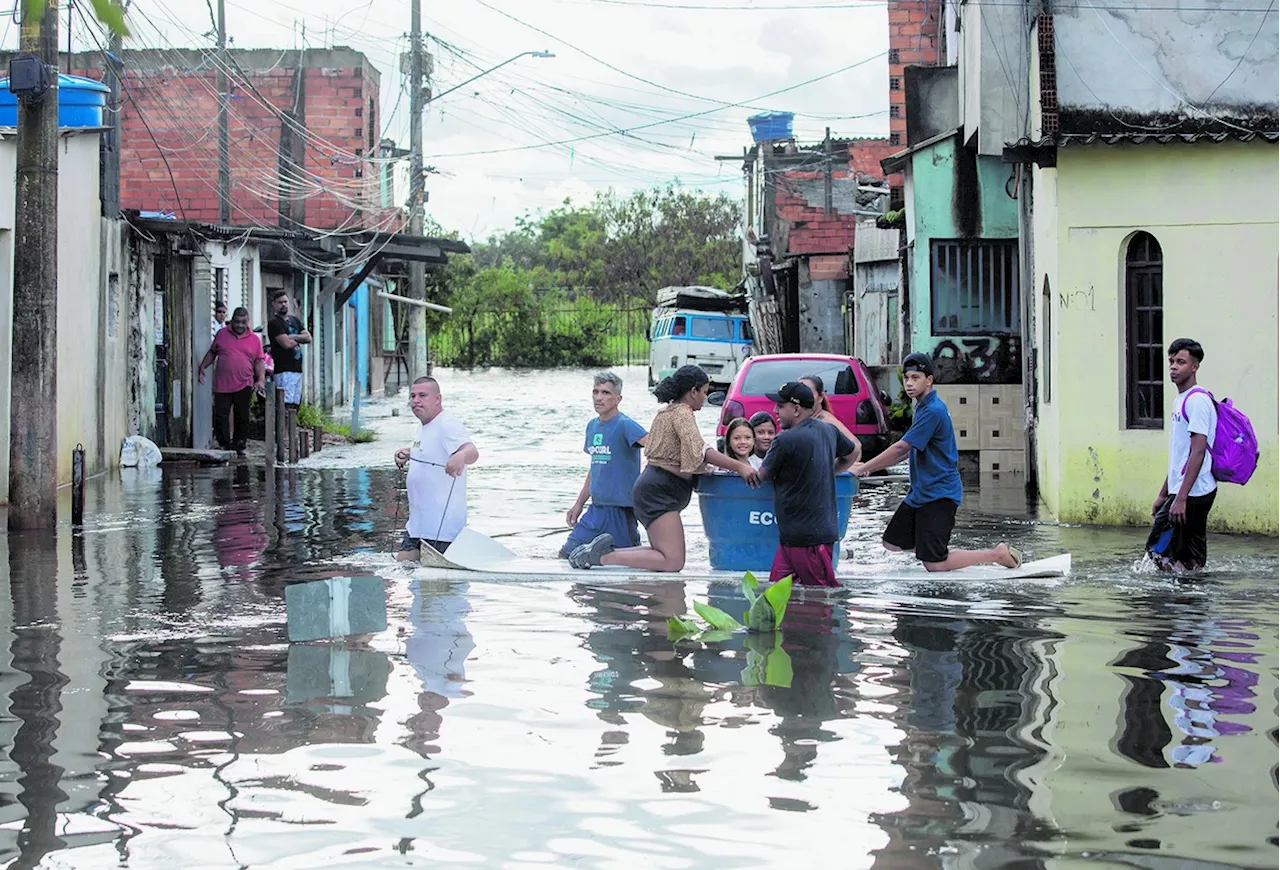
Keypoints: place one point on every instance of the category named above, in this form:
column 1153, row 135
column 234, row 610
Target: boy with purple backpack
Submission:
column 1208, row 442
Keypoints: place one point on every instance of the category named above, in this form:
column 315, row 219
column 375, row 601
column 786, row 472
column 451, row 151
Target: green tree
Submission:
column 111, row 14
column 625, row 247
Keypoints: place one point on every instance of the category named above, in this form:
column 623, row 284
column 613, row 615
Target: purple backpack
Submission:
column 1235, row 447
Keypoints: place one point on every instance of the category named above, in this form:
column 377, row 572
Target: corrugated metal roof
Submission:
column 1138, row 138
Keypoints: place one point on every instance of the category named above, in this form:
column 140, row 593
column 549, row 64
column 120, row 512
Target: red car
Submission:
column 853, row 396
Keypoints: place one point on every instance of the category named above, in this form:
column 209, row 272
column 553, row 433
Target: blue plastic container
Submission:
column 738, row 520
column 81, row 102
column 767, row 126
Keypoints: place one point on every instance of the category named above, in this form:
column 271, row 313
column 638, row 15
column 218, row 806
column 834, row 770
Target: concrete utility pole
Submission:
column 224, row 137
column 33, row 409
column 417, row 271
column 111, row 151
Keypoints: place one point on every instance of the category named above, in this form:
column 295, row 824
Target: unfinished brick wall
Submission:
column 914, row 28
column 800, row 199
column 169, row 138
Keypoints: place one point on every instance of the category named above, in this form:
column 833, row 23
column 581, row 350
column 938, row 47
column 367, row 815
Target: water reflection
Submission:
column 155, row 713
column 970, row 695
column 437, row 647
column 37, row 702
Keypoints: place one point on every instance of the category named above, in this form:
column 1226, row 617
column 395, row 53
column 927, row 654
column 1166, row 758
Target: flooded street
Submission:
column 156, row 716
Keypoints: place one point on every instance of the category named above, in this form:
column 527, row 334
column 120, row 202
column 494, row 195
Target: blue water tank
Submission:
column 738, row 520
column 81, row 102
column 767, row 126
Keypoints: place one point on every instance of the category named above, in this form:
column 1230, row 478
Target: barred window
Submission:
column 974, row 286
column 1144, row 333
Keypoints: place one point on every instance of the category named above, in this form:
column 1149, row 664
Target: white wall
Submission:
column 91, row 330
column 1163, row 60
column 994, row 54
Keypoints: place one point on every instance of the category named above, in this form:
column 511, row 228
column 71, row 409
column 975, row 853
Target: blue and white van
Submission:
column 699, row 326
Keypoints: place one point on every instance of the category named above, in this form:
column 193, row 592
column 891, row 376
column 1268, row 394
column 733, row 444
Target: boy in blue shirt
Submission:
column 924, row 520
column 613, row 443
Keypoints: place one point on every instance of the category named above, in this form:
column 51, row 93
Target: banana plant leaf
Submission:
column 681, row 629
column 778, row 595
column 768, row 664
column 716, row 617
column 767, row 611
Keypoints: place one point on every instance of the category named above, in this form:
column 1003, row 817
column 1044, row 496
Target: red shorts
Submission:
column 808, row 566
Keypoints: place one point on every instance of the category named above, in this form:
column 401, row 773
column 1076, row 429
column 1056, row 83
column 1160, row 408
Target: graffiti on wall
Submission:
column 977, row 360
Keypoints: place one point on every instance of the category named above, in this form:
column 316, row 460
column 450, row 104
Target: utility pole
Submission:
column 224, row 138
column 111, row 139
column 33, row 409
column 417, row 271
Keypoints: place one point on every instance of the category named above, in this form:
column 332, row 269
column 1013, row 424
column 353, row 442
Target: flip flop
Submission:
column 1015, row 553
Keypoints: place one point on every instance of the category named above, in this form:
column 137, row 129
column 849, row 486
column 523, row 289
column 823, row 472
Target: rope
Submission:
column 448, row 499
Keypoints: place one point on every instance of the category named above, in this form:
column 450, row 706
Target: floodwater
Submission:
column 155, row 715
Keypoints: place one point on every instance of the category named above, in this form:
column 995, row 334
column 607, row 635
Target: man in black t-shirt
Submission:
column 286, row 335
column 802, row 463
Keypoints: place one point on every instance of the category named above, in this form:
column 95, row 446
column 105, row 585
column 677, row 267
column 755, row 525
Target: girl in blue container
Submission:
column 740, row 442
column 676, row 452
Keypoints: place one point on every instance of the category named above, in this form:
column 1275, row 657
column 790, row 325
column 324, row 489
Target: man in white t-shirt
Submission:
column 1180, row 515
column 437, row 480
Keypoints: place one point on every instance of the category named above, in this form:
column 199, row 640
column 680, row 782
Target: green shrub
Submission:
column 309, row 416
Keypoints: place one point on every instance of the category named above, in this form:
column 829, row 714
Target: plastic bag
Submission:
column 139, row 452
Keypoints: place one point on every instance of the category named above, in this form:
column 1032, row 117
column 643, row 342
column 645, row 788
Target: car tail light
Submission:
column 866, row 413
column 732, row 408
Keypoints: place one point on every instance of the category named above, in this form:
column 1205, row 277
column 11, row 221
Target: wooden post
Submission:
column 304, row 444
column 291, row 433
column 269, row 436
column 282, row 426
column 317, row 439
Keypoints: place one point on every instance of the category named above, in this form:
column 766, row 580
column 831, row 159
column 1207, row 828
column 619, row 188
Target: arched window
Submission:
column 1144, row 333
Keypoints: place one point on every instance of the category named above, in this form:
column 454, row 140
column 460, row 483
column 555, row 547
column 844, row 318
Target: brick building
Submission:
column 303, row 125
column 915, row 39
column 803, row 205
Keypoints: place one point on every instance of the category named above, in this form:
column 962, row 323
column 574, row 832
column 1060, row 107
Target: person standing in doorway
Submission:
column 437, row 480
column 802, row 463
column 219, row 318
column 1179, row 539
column 287, row 336
column 924, row 520
column 613, row 443
column 241, row 371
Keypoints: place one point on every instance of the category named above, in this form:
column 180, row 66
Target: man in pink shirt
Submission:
column 241, row 371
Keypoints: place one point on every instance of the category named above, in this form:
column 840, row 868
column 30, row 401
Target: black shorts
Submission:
column 925, row 529
column 408, row 544
column 657, row 492
column 1182, row 545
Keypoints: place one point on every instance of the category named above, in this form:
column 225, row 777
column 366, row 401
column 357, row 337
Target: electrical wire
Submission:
column 633, row 129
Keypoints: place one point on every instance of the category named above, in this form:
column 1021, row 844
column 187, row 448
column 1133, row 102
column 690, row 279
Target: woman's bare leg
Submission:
column 665, row 552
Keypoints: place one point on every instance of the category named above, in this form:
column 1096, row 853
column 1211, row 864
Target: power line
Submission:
column 603, row 62
column 629, row 130
column 1243, row 55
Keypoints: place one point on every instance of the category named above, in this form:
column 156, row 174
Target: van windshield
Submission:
column 718, row 329
column 765, row 376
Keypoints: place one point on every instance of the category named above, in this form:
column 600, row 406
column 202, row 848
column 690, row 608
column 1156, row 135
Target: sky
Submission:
column 688, row 75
